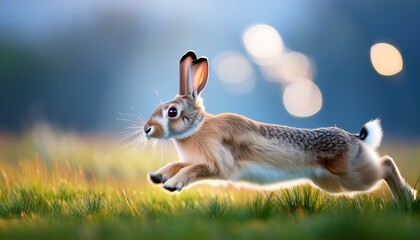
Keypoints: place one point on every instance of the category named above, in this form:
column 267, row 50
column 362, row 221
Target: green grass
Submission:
column 87, row 188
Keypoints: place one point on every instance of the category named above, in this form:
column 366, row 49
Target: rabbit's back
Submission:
column 330, row 140
column 276, row 145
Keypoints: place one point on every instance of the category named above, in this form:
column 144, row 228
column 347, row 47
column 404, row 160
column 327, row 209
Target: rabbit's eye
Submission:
column 172, row 112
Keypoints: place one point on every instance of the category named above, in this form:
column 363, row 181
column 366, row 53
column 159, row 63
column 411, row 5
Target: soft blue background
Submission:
column 77, row 64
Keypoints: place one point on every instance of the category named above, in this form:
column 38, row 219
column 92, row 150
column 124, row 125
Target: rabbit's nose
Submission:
column 147, row 128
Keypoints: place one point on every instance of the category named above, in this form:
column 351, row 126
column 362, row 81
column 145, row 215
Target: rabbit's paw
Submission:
column 172, row 185
column 157, row 178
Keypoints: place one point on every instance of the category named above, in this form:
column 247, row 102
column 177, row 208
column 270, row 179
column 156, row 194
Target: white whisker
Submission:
column 134, row 139
column 157, row 94
column 132, row 135
column 128, row 120
column 139, row 116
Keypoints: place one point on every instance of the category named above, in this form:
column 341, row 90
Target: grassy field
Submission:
column 65, row 186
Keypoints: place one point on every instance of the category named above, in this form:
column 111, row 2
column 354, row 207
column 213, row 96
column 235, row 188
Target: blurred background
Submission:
column 78, row 64
column 68, row 69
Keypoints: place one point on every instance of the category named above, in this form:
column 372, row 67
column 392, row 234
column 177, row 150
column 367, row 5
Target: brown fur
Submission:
column 337, row 166
column 239, row 151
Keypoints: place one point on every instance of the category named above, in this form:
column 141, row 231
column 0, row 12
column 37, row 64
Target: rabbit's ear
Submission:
column 184, row 64
column 198, row 75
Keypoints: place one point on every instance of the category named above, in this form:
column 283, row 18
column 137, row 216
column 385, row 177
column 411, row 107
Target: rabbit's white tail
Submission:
column 371, row 133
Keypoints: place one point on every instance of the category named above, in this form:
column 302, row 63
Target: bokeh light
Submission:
column 303, row 98
column 293, row 70
column 263, row 42
column 386, row 59
column 289, row 67
column 235, row 72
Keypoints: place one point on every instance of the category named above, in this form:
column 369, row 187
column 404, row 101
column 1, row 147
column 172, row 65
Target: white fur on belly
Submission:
column 263, row 174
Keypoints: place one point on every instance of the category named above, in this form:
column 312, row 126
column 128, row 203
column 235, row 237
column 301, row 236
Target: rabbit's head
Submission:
column 182, row 116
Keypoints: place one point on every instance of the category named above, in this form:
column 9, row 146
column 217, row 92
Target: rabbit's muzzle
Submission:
column 152, row 130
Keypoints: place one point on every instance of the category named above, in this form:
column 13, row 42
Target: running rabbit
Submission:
column 232, row 147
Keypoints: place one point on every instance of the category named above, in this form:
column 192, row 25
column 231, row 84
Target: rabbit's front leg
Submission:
column 162, row 175
column 189, row 175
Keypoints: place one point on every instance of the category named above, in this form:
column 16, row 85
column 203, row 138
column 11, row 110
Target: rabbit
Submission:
column 232, row 147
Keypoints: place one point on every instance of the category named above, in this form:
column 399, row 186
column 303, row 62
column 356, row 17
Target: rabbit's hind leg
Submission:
column 399, row 188
column 350, row 174
column 326, row 182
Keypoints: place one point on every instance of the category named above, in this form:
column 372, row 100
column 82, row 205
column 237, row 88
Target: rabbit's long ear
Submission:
column 184, row 64
column 197, row 76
